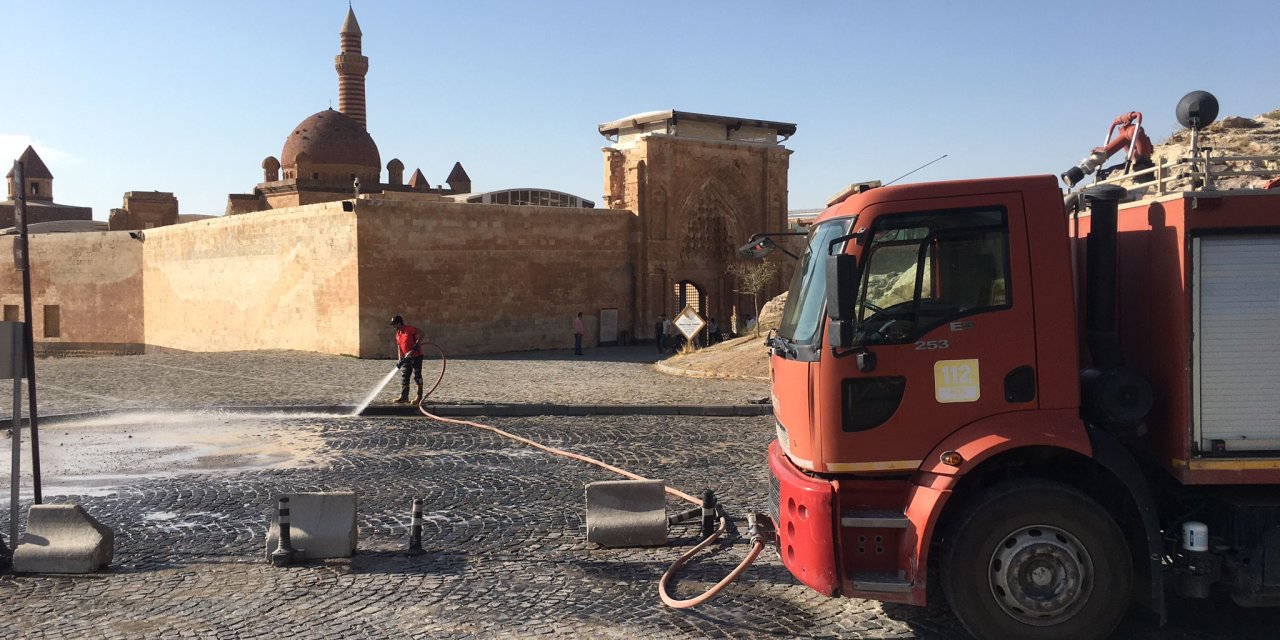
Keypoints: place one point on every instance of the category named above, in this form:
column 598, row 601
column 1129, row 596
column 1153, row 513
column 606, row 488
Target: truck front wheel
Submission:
column 1037, row 560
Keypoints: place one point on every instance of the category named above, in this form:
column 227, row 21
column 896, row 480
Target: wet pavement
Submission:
column 506, row 554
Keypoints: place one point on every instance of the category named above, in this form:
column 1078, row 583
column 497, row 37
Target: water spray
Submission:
column 444, row 363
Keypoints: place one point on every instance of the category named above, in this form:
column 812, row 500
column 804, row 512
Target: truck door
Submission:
column 944, row 308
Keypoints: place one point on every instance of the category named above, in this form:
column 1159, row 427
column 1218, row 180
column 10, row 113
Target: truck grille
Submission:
column 775, row 498
column 784, row 440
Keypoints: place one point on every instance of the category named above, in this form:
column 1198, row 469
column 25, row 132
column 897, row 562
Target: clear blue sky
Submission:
column 189, row 97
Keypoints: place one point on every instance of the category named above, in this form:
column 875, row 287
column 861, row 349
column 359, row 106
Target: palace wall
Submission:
column 87, row 291
column 280, row 279
column 482, row 278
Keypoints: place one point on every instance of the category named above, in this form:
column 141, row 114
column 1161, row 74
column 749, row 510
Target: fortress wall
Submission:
column 489, row 278
column 282, row 279
column 90, row 282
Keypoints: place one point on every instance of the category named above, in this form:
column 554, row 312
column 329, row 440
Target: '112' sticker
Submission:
column 956, row 381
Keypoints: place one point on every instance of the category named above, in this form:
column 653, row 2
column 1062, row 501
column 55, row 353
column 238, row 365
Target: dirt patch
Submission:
column 744, row 357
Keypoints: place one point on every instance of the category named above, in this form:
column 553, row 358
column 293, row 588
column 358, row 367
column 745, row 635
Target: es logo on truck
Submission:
column 956, row 380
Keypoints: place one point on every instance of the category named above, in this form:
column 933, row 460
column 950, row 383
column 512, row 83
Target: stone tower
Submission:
column 39, row 181
column 352, row 67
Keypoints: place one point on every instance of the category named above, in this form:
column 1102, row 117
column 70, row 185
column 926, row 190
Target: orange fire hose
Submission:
column 757, row 544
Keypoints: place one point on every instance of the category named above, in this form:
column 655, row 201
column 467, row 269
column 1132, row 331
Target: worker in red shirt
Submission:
column 409, row 352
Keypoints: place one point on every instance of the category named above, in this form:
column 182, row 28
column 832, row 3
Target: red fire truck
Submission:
column 1039, row 412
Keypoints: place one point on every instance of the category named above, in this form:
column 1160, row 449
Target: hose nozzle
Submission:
column 1075, row 175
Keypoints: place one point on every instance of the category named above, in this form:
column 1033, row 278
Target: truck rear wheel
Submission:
column 1037, row 560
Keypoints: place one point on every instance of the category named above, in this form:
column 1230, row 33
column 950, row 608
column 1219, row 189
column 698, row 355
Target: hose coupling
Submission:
column 760, row 528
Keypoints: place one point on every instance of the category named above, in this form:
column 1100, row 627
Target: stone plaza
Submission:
column 506, row 554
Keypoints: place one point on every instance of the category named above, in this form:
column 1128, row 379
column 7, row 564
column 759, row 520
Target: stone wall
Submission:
column 488, row 278
column 39, row 211
column 282, row 279
column 87, row 289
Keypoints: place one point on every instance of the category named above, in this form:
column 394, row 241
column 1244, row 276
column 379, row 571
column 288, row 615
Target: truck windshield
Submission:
column 802, row 317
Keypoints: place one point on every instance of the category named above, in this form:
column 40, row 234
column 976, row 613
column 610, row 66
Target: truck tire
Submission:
column 1040, row 560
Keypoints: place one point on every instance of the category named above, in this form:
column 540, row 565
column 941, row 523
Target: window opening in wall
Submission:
column 35, row 189
column 11, row 313
column 52, row 321
column 688, row 294
column 315, row 175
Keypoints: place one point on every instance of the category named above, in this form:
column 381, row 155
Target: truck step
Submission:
column 873, row 519
column 881, row 581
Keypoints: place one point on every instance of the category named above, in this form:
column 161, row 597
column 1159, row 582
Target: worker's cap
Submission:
column 396, row 320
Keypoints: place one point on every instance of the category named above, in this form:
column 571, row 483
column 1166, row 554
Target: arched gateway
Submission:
column 699, row 186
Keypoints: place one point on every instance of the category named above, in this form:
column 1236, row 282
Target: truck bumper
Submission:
column 802, row 508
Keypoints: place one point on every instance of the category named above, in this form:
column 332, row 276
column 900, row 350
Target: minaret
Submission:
column 351, row 66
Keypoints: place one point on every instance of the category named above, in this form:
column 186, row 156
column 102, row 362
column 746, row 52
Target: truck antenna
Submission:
column 915, row 169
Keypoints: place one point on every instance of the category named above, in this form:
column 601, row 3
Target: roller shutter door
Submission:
column 1236, row 324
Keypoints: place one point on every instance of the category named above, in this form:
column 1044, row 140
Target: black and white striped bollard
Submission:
column 415, row 528
column 283, row 554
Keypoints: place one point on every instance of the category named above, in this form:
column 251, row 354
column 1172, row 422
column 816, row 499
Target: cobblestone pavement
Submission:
column 506, row 555
column 258, row 378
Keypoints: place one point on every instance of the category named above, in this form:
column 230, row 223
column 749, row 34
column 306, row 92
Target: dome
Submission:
column 331, row 137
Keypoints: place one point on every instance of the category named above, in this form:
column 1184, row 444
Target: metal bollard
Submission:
column 283, row 555
column 415, row 528
column 710, row 517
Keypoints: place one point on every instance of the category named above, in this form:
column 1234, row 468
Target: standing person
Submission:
column 671, row 335
column 660, row 332
column 409, row 351
column 577, row 334
column 713, row 332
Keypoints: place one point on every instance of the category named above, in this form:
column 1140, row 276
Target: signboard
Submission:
column 689, row 322
column 608, row 325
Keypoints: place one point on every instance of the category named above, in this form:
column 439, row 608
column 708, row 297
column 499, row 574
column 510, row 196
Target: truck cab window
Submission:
column 802, row 316
column 925, row 269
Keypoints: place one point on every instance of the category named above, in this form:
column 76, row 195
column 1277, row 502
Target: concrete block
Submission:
column 322, row 525
column 62, row 538
column 627, row 513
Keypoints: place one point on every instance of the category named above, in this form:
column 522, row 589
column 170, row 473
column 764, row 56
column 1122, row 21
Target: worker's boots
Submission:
column 418, row 400
column 404, row 395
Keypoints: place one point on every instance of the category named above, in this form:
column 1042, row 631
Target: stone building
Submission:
column 39, row 192
column 331, row 156
column 699, row 186
column 145, row 210
column 311, row 264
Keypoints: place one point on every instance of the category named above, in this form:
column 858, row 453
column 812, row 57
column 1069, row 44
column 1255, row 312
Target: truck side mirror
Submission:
column 841, row 273
column 842, row 334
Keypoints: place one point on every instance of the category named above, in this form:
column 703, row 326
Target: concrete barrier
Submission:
column 627, row 513
column 322, row 525
column 62, row 538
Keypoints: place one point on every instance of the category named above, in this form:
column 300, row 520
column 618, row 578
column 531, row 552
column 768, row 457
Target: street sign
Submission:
column 689, row 322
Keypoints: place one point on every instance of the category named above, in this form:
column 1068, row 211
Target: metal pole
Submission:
column 283, row 554
column 415, row 528
column 20, row 217
column 16, row 437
